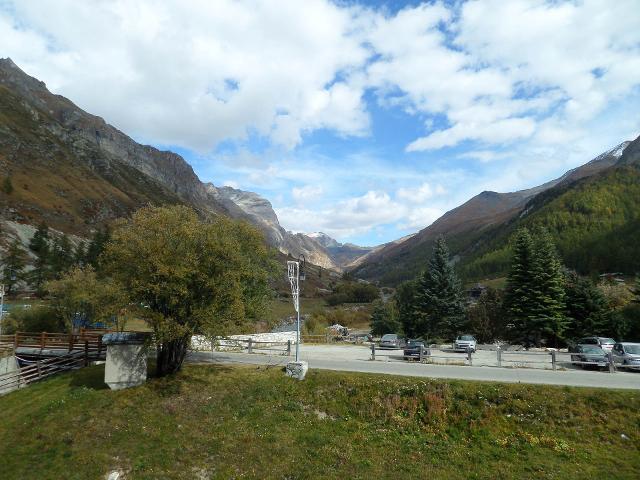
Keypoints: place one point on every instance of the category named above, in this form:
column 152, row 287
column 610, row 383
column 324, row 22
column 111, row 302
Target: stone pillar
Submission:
column 297, row 370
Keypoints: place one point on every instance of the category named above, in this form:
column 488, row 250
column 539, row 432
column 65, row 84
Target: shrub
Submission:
column 37, row 319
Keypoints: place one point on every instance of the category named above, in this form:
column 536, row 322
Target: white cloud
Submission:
column 348, row 217
column 421, row 193
column 307, row 193
column 196, row 73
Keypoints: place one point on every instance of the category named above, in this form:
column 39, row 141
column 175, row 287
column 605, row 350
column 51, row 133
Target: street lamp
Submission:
column 1, row 306
column 296, row 274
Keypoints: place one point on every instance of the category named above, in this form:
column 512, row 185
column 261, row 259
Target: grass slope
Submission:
column 248, row 422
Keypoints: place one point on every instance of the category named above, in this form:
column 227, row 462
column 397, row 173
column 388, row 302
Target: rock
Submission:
column 297, row 370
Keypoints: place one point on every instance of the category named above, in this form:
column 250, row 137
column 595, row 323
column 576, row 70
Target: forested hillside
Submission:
column 595, row 223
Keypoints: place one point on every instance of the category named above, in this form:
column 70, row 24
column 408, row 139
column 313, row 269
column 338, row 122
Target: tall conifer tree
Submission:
column 439, row 302
column 519, row 299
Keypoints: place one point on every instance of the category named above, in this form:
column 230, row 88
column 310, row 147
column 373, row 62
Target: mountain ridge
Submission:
column 86, row 147
column 467, row 226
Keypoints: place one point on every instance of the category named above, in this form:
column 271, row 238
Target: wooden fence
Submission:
column 41, row 369
column 85, row 341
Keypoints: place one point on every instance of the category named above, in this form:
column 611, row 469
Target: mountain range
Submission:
column 596, row 201
column 74, row 171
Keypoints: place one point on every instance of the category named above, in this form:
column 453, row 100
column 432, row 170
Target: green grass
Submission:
column 249, row 422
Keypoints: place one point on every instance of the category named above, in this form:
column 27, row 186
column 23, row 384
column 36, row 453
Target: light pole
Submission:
column 1, row 306
column 296, row 274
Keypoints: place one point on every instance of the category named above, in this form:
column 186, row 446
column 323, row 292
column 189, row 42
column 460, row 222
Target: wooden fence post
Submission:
column 421, row 353
column 373, row 351
column 288, row 348
column 469, row 356
column 42, row 340
column 15, row 341
column 499, row 351
column 553, row 359
column 70, row 342
column 86, row 353
column 250, row 347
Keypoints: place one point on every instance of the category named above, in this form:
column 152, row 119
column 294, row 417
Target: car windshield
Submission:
column 468, row 338
column 591, row 349
column 607, row 341
column 389, row 336
column 632, row 349
column 415, row 341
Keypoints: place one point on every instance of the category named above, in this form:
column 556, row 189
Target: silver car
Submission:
column 465, row 343
column 627, row 355
column 391, row 340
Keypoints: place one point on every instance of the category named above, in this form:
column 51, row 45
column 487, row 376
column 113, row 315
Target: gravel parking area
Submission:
column 357, row 358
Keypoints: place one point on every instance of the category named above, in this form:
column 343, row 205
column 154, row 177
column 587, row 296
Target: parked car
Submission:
column 603, row 342
column 392, row 340
column 412, row 348
column 590, row 355
column 627, row 355
column 464, row 343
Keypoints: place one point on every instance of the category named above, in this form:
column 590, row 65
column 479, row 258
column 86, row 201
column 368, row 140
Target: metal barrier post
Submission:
column 373, row 351
column 250, row 347
column 499, row 350
column 469, row 356
column 612, row 366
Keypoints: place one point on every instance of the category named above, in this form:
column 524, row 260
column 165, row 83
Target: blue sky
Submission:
column 365, row 120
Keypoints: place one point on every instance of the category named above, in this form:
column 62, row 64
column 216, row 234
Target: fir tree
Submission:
column 439, row 302
column 62, row 255
column 404, row 299
column 97, row 245
column 519, row 299
column 548, row 320
column 585, row 307
column 39, row 245
column 487, row 316
column 7, row 186
column 80, row 254
column 14, row 263
column 384, row 318
column 40, row 239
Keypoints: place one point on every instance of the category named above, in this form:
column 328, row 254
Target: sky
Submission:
column 364, row 120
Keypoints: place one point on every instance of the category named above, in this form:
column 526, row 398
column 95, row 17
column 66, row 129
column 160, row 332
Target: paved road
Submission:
column 351, row 360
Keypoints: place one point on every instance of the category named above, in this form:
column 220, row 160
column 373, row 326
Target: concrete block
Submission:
column 297, row 370
column 126, row 366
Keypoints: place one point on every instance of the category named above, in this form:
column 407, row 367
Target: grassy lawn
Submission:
column 249, row 422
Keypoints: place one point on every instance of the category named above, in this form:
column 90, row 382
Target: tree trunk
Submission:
column 171, row 355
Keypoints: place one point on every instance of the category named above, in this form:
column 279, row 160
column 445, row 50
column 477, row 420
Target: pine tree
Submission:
column 519, row 299
column 39, row 245
column 585, row 306
column 549, row 319
column 487, row 316
column 404, row 299
column 384, row 318
column 40, row 239
column 62, row 255
column 80, row 254
column 97, row 245
column 14, row 263
column 7, row 186
column 439, row 302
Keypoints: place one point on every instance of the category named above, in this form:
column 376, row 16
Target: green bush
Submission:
column 37, row 319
